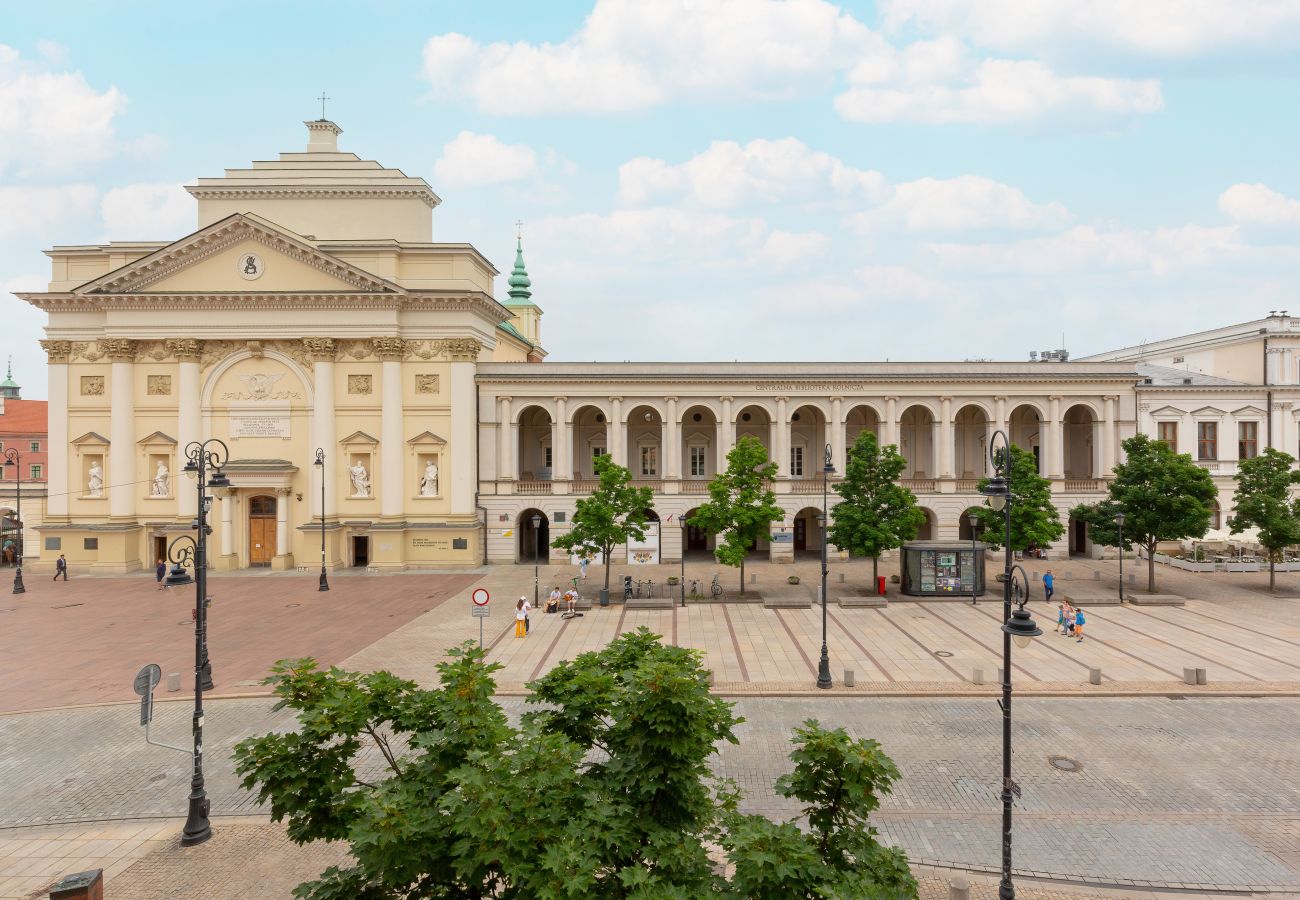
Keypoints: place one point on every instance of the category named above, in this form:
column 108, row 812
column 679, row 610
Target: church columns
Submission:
column 726, row 434
column 1107, row 438
column 57, row 353
column 228, row 522
column 390, row 352
column 506, row 442
column 1053, row 439
column 618, row 432
column 324, row 436
column 890, row 435
column 189, row 413
column 462, row 478
column 781, row 439
column 561, row 440
column 837, row 436
column 946, row 439
column 672, row 444
column 282, row 547
column 121, row 429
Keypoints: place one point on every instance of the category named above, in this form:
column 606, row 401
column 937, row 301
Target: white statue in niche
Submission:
column 360, row 479
column 429, row 483
column 95, row 480
column 160, row 487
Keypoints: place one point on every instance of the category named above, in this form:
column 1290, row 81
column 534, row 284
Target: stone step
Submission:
column 649, row 603
column 1078, row 595
column 1140, row 599
column 850, row 602
column 787, row 602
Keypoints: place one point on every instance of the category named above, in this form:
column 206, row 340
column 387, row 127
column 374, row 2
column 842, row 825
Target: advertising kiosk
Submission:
column 943, row 568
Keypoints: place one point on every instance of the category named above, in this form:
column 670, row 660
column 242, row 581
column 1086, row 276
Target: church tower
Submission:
column 526, row 316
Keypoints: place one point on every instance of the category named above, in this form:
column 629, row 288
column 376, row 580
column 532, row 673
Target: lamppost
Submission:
column 1119, row 521
column 824, row 665
column 320, row 461
column 200, row 458
column 682, row 522
column 537, row 552
column 1017, row 624
column 973, row 520
column 15, row 459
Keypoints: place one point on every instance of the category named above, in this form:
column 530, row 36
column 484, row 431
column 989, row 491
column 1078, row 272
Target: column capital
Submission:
column 284, row 491
column 562, row 398
column 893, row 399
column 319, row 349
column 465, row 349
column 117, row 349
column 614, row 399
column 57, row 351
column 184, row 349
column 504, row 398
column 389, row 349
column 726, row 399
column 671, row 398
column 781, row 399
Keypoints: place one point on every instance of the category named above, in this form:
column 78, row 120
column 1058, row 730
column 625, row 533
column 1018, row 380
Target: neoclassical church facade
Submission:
column 311, row 310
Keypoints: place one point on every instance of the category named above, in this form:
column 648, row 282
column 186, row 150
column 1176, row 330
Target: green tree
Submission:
column 1263, row 501
column 614, row 512
column 1034, row 519
column 742, row 505
column 604, row 789
column 1163, row 495
column 876, row 513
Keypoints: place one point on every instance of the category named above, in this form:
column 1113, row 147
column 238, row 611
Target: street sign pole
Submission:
column 479, row 610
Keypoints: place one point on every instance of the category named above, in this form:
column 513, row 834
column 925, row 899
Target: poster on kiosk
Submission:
column 645, row 552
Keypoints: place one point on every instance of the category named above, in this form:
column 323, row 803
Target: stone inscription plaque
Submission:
column 255, row 425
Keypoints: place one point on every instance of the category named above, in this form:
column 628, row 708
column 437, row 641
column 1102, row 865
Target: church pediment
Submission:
column 427, row 437
column 240, row 254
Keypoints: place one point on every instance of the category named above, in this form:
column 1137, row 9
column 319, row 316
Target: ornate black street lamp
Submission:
column 320, row 461
column 537, row 552
column 200, row 458
column 974, row 521
column 1119, row 522
column 15, row 459
column 824, row 665
column 1017, row 625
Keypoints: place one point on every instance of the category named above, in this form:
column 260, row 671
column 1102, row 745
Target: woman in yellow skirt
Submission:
column 521, row 617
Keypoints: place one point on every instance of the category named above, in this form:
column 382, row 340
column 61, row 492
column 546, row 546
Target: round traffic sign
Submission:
column 147, row 679
column 480, row 597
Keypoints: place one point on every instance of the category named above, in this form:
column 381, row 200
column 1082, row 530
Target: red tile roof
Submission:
column 23, row 417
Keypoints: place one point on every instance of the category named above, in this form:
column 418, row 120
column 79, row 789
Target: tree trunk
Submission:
column 742, row 576
column 875, row 574
column 1151, row 567
column 605, row 556
column 1270, row 572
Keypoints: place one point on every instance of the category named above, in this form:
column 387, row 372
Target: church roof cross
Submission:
column 322, row 98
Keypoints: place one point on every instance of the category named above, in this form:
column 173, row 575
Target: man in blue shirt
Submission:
column 1048, row 581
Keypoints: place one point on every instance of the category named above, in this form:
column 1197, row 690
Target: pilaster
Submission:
column 57, row 355
column 121, row 429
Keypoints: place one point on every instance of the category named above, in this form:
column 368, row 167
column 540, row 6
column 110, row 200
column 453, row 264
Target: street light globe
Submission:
column 998, row 502
column 1022, row 640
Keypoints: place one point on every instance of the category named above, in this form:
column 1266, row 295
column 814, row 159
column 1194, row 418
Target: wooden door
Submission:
column 261, row 531
column 801, row 534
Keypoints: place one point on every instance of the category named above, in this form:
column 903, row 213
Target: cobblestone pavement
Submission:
column 1202, row 792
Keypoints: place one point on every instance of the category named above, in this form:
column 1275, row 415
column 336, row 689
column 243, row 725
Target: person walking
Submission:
column 1069, row 620
column 1060, row 617
column 521, row 618
column 61, row 567
column 160, row 572
column 1078, row 625
column 583, row 562
column 1049, row 583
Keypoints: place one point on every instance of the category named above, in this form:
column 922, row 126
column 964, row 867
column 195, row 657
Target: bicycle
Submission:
column 716, row 587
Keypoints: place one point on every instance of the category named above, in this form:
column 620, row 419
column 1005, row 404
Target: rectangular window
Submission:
column 1247, row 440
column 547, row 452
column 53, row 543
column 697, row 462
column 1207, row 440
column 796, row 462
column 90, row 543
column 36, row 446
column 1167, row 434
column 597, row 451
column 649, row 460
column 36, row 473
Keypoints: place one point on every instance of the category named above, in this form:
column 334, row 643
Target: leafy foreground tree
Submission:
column 1163, row 495
column 1034, row 519
column 603, row 790
column 742, row 505
column 1263, row 501
column 614, row 512
column 876, row 513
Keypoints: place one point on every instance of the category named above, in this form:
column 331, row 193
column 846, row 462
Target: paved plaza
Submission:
column 1172, row 785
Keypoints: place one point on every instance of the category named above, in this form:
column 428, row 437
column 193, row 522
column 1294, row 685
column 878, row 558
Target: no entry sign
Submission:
column 480, row 597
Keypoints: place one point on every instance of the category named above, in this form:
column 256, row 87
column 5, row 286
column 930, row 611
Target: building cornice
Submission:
column 201, row 192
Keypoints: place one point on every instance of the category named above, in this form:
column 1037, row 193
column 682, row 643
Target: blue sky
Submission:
column 733, row 179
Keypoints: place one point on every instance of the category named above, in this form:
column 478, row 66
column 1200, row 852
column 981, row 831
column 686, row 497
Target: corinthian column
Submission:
column 390, row 352
column 121, row 429
column 463, row 353
column 57, row 353
column 189, row 411
column 323, row 432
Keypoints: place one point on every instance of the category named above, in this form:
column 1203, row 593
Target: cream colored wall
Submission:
column 334, row 218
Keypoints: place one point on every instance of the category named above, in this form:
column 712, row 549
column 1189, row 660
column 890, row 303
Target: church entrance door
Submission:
column 261, row 530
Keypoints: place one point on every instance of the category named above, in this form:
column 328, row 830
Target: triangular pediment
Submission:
column 157, row 437
column 427, row 437
column 1167, row 411
column 242, row 253
column 359, row 437
column 1208, row 411
column 1249, row 411
column 90, row 438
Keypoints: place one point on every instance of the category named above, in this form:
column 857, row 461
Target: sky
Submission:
column 713, row 179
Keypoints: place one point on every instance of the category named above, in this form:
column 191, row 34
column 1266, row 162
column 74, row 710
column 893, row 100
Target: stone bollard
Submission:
column 1132, row 579
column 753, row 579
column 1094, row 676
column 1096, row 575
column 1000, row 675
column 1069, row 576
column 1035, row 576
column 82, row 886
column 977, row 676
column 1200, row 676
column 710, row 678
column 850, row 677
column 1189, row 676
column 841, row 578
column 959, row 889
column 173, row 681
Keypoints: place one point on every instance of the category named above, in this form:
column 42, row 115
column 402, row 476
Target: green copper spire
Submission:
column 519, row 280
column 9, row 388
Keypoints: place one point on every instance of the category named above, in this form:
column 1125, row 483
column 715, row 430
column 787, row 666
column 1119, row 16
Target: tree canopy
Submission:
column 1263, row 501
column 603, row 790
column 1034, row 519
column 875, row 513
column 1163, row 495
column 742, row 505
column 614, row 512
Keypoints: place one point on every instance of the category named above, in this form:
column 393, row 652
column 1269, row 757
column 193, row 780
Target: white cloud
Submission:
column 1166, row 28
column 24, row 327
column 965, row 203
column 901, row 283
column 630, row 54
column 1259, row 204
column 1086, row 248
column 148, row 212
column 52, row 121
column 36, row 210
column 993, row 91
column 655, row 235
column 727, row 175
column 785, row 249
column 471, row 159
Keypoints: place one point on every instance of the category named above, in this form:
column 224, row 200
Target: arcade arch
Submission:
column 534, row 451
